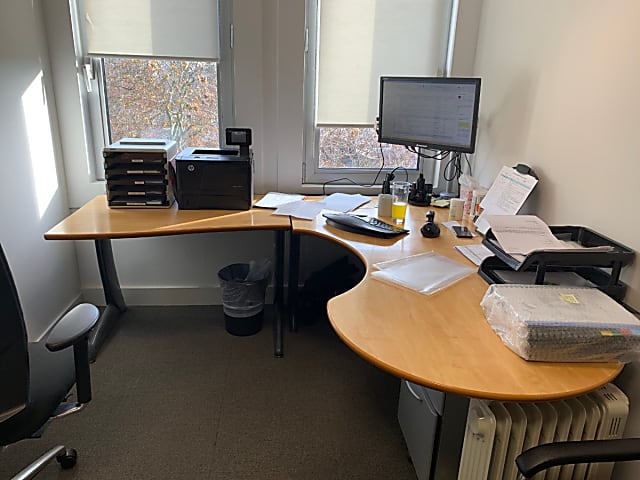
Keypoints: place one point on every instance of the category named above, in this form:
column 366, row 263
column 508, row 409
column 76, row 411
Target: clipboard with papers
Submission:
column 507, row 194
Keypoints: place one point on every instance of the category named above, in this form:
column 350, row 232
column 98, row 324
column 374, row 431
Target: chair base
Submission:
column 65, row 457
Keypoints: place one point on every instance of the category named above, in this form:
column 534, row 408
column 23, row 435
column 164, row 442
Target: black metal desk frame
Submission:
column 115, row 304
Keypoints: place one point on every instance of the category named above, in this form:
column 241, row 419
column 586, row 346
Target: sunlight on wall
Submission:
column 38, row 128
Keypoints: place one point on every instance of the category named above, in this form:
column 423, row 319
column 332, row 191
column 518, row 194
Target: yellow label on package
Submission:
column 569, row 298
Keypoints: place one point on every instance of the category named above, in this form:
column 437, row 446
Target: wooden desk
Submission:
column 96, row 221
column 442, row 341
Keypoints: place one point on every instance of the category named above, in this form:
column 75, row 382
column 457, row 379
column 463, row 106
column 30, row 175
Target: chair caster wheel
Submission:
column 68, row 458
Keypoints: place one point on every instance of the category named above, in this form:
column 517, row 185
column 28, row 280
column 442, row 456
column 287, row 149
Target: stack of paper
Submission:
column 297, row 206
column 519, row 235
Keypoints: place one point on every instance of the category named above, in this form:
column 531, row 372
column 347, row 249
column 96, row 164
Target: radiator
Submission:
column 497, row 432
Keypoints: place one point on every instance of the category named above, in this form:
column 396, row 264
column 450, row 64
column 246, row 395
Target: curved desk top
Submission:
column 95, row 220
column 443, row 340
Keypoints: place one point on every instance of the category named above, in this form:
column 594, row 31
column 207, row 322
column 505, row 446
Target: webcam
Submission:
column 430, row 229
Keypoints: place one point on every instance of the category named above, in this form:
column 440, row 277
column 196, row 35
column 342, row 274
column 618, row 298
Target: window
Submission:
column 157, row 98
column 351, row 43
column 147, row 76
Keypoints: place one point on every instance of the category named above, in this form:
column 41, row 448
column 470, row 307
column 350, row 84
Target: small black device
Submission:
column 365, row 226
column 420, row 193
column 462, row 232
column 430, row 229
column 240, row 137
column 386, row 183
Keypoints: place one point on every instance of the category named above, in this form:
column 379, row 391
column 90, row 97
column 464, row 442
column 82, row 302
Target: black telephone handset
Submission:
column 430, row 229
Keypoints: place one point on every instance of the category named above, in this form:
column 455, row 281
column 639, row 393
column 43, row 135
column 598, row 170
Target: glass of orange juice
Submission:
column 399, row 200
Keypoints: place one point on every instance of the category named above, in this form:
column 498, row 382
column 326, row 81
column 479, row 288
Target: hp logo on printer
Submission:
column 191, row 167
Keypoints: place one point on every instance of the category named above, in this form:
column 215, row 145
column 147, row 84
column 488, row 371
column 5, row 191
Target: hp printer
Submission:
column 208, row 178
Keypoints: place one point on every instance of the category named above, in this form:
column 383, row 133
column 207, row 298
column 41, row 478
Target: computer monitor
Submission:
column 440, row 113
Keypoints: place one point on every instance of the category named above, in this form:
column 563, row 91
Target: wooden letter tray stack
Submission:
column 575, row 267
column 139, row 173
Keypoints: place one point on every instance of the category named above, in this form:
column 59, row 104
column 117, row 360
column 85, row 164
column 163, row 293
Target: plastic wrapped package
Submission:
column 562, row 324
column 425, row 273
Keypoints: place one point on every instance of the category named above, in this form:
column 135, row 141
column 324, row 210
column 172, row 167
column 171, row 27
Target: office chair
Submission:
column 37, row 377
column 549, row 455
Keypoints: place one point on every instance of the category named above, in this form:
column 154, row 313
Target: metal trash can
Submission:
column 243, row 295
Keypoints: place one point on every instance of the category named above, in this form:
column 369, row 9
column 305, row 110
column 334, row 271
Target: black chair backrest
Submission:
column 14, row 354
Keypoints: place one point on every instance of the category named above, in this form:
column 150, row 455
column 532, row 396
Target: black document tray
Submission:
column 587, row 264
column 493, row 270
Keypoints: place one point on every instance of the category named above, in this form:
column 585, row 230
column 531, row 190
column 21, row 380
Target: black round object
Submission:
column 68, row 458
column 430, row 230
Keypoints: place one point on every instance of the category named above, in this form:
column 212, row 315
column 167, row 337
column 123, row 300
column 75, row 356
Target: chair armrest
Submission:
column 73, row 326
column 73, row 329
column 549, row 455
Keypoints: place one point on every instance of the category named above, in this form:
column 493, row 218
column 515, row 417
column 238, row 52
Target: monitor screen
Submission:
column 440, row 113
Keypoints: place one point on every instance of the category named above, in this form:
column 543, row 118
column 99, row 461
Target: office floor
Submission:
column 176, row 397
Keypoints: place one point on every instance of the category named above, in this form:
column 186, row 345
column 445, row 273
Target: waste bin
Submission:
column 243, row 293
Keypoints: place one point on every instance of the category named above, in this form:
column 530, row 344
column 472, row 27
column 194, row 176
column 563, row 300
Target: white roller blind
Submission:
column 361, row 40
column 151, row 28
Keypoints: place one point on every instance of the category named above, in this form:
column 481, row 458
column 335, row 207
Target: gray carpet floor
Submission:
column 176, row 397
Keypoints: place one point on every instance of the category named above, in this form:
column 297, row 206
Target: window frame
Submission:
column 93, row 96
column 358, row 178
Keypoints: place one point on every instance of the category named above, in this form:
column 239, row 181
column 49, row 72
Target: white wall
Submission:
column 32, row 189
column 560, row 93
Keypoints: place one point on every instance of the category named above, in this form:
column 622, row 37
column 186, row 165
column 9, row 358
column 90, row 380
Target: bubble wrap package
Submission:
column 562, row 324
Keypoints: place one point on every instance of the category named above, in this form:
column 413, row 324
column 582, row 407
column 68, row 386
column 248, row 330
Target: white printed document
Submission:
column 344, row 202
column 475, row 252
column 301, row 209
column 275, row 199
column 522, row 234
column 506, row 196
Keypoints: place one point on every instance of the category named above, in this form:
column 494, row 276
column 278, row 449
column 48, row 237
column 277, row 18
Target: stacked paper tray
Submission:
column 590, row 255
column 562, row 323
column 138, row 172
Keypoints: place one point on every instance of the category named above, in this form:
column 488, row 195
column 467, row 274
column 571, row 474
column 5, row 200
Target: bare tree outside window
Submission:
column 345, row 147
column 152, row 98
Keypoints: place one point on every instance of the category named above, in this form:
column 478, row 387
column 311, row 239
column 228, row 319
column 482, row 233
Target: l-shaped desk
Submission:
column 441, row 341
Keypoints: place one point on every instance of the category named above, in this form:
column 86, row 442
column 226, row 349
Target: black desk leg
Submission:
column 294, row 271
column 112, row 295
column 278, row 295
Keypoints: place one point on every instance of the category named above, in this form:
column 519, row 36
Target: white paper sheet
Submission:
column 301, row 209
column 523, row 234
column 343, row 202
column 476, row 252
column 275, row 199
column 506, row 196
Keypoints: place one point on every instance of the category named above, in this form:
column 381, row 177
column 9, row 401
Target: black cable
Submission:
column 381, row 166
column 337, row 180
column 453, row 167
column 406, row 173
column 377, row 174
column 441, row 155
